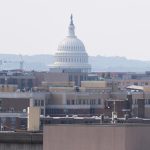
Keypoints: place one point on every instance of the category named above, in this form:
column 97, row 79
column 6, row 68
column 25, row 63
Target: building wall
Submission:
column 22, row 81
column 147, row 111
column 33, row 118
column 8, row 88
column 81, row 103
column 96, row 137
column 8, row 146
column 94, row 84
column 14, row 104
column 21, row 141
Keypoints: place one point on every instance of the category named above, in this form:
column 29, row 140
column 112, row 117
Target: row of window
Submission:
column 61, row 54
column 72, row 78
column 147, row 102
column 70, row 111
column 72, row 59
column 84, row 102
column 133, row 83
column 71, row 48
column 22, row 82
column 38, row 102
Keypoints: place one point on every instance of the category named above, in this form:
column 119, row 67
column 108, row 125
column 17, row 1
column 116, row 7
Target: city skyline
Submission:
column 107, row 28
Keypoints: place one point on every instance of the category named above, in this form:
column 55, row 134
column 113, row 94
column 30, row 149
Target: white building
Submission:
column 71, row 55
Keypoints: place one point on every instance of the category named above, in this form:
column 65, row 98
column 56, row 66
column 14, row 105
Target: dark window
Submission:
column 83, row 101
column 42, row 102
column 87, row 102
column 79, row 101
column 81, row 78
column 30, row 83
column 68, row 102
column 99, row 101
column 73, row 102
column 35, row 102
column 22, row 83
column 2, row 81
column 42, row 111
column 38, row 102
column 92, row 110
column 70, row 78
column 135, row 83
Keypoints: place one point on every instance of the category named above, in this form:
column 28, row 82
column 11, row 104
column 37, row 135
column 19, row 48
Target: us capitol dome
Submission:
column 71, row 55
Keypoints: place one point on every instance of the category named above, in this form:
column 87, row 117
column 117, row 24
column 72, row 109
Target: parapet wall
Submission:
column 21, row 141
column 97, row 137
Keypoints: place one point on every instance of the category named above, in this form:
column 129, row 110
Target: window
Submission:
column 92, row 101
column 70, row 78
column 148, row 101
column 87, row 102
column 35, row 102
column 83, row 101
column 68, row 102
column 73, row 102
column 79, row 101
column 92, row 110
column 76, row 101
column 42, row 111
column 135, row 102
column 99, row 101
column 42, row 102
column 135, row 83
column 38, row 103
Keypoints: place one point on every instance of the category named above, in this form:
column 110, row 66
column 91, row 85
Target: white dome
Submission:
column 71, row 44
column 71, row 54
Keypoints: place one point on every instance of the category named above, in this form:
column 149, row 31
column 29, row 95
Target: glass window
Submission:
column 79, row 101
column 68, row 102
column 73, row 102
column 38, row 103
column 35, row 102
column 42, row 102
column 148, row 101
column 42, row 111
column 99, row 101
column 83, row 101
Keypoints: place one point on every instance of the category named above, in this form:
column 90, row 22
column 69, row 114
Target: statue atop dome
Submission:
column 71, row 20
column 71, row 27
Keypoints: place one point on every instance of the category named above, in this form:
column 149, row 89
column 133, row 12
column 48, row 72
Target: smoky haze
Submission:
column 108, row 28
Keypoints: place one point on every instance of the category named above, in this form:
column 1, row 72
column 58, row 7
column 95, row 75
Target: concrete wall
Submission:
column 94, row 84
column 97, row 137
column 9, row 146
column 33, row 118
column 21, row 141
column 147, row 111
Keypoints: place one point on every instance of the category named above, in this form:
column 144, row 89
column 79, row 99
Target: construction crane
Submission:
column 21, row 62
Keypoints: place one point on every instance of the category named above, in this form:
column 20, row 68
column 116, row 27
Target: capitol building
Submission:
column 71, row 55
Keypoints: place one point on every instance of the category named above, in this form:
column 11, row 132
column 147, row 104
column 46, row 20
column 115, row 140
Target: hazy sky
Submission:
column 106, row 27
